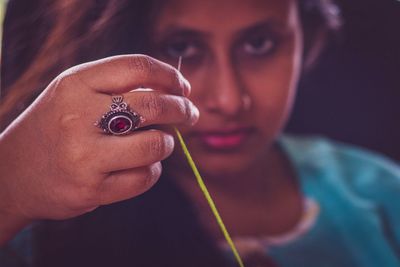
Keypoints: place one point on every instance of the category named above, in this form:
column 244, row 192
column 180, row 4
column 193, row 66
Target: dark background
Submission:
column 353, row 94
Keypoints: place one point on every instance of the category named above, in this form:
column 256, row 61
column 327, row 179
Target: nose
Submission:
column 225, row 93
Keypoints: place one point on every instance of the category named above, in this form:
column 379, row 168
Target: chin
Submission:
column 217, row 162
column 224, row 166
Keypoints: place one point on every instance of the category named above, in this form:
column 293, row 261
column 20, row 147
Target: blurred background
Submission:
column 353, row 94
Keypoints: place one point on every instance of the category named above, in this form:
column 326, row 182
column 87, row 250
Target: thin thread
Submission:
column 179, row 63
column 209, row 199
column 204, row 189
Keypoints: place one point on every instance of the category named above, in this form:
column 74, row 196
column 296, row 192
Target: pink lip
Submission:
column 224, row 139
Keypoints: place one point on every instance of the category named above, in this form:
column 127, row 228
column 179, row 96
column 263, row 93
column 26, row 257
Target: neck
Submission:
column 266, row 187
column 266, row 177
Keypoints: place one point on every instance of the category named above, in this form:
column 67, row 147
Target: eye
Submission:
column 184, row 49
column 259, row 45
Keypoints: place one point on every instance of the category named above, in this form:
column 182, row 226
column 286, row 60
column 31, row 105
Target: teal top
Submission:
column 358, row 224
column 359, row 198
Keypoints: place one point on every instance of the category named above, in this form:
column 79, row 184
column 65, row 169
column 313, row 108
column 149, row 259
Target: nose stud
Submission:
column 246, row 102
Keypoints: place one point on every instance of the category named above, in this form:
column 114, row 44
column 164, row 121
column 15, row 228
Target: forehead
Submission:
column 223, row 15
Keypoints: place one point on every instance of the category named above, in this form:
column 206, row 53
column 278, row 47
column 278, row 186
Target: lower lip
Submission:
column 224, row 141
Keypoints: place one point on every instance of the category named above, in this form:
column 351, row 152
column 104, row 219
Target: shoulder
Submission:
column 347, row 178
column 366, row 173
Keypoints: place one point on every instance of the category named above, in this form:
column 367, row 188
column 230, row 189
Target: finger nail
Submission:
column 186, row 85
column 195, row 115
column 188, row 88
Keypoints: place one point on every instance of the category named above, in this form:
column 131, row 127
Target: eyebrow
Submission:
column 270, row 24
column 187, row 32
column 184, row 32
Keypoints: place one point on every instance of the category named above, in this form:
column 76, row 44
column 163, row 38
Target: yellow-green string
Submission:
column 209, row 199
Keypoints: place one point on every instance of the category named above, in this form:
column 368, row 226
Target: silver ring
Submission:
column 120, row 119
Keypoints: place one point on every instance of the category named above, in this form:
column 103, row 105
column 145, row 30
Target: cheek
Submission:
column 273, row 85
column 201, row 80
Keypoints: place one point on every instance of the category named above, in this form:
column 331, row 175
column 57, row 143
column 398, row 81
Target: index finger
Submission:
column 121, row 74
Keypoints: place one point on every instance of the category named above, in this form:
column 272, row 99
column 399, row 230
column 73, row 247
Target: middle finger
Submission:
column 160, row 108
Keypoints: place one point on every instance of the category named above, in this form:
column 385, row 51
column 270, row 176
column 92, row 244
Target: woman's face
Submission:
column 243, row 61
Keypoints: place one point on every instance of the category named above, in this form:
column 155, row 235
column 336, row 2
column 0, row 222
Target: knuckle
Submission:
column 152, row 174
column 141, row 65
column 160, row 144
column 187, row 110
column 154, row 105
column 69, row 121
column 176, row 78
column 157, row 144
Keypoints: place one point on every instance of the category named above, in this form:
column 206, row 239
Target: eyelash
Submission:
column 256, row 46
column 186, row 48
column 267, row 44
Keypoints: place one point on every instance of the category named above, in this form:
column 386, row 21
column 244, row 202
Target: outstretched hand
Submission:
column 55, row 164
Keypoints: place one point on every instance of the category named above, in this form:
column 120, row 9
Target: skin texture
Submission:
column 243, row 75
column 59, row 165
column 222, row 73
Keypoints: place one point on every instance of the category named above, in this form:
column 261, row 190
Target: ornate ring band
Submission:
column 120, row 119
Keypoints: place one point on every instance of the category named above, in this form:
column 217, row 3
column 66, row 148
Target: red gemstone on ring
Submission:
column 120, row 125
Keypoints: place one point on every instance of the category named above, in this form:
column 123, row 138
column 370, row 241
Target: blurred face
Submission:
column 243, row 60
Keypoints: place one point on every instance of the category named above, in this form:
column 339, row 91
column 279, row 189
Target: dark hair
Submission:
column 44, row 37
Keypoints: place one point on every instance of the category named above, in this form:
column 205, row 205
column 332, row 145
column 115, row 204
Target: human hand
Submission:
column 55, row 164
